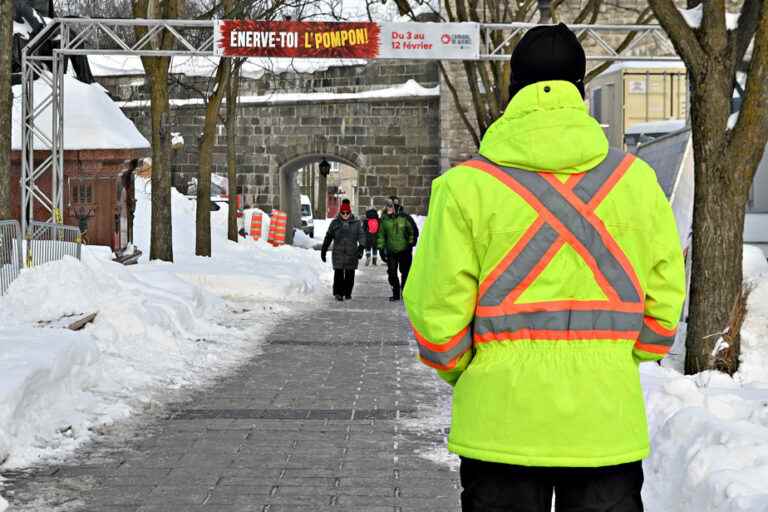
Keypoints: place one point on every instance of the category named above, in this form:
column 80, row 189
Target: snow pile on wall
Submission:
column 91, row 119
column 409, row 89
column 253, row 68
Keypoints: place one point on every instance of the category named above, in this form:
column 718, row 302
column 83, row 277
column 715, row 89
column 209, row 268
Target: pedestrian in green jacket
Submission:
column 394, row 240
column 548, row 269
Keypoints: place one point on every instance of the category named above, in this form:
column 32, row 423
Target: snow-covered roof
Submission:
column 644, row 64
column 91, row 119
column 409, row 89
column 254, row 68
column 665, row 155
column 668, row 126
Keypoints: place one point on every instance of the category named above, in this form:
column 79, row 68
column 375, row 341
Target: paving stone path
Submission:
column 334, row 415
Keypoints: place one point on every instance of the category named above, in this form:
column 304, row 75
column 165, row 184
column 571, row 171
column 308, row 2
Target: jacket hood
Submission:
column 546, row 127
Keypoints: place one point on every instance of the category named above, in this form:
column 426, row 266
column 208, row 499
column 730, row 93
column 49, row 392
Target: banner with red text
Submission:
column 347, row 40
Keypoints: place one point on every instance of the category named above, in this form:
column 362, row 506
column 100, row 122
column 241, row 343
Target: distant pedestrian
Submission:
column 348, row 238
column 399, row 208
column 371, row 228
column 395, row 241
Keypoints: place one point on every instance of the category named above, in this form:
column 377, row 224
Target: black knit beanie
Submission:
column 547, row 52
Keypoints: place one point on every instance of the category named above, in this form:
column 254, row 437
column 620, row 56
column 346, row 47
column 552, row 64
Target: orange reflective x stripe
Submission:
column 566, row 216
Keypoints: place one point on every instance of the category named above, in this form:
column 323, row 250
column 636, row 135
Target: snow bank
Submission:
column 246, row 269
column 153, row 331
column 709, row 443
column 91, row 119
column 159, row 326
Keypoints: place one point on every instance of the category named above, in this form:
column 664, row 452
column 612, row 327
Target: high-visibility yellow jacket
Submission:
column 548, row 269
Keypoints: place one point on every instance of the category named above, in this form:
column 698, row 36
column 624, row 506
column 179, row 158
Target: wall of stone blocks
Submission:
column 394, row 144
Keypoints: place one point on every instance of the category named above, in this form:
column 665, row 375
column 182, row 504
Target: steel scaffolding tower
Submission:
column 43, row 151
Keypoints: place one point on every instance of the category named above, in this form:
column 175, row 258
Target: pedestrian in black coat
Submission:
column 346, row 233
column 371, row 228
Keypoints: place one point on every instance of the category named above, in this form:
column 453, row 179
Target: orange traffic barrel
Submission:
column 256, row 225
column 277, row 226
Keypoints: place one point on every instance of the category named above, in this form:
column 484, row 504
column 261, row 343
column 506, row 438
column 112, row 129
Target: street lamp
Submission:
column 325, row 168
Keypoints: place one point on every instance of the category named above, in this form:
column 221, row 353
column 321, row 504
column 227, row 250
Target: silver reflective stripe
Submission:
column 594, row 320
column 590, row 184
column 443, row 358
column 582, row 230
column 650, row 337
column 522, row 265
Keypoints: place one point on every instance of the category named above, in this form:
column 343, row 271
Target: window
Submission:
column 82, row 192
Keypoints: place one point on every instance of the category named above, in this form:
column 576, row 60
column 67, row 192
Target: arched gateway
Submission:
column 381, row 118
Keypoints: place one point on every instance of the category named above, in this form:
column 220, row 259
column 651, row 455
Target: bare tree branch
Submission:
column 753, row 123
column 462, row 111
column 740, row 38
column 683, row 37
column 713, row 25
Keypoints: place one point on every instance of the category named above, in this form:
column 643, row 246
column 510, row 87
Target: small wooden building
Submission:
column 102, row 149
column 98, row 193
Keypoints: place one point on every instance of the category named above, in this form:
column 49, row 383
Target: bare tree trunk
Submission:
column 718, row 222
column 161, row 239
column 205, row 160
column 726, row 159
column 232, row 93
column 6, row 99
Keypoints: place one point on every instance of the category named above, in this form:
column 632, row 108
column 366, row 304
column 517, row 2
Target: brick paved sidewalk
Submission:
column 322, row 420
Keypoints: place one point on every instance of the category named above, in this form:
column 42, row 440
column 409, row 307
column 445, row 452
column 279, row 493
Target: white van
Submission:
column 307, row 222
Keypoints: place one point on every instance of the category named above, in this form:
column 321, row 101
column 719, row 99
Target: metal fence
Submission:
column 50, row 242
column 10, row 253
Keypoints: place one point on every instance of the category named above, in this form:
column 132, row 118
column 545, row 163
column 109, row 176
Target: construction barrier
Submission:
column 256, row 225
column 277, row 226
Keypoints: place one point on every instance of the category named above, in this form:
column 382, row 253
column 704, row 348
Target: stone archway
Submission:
column 288, row 196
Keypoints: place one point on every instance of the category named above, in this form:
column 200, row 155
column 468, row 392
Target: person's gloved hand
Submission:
column 360, row 251
column 322, row 256
column 384, row 255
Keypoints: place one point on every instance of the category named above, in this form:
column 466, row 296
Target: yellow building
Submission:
column 631, row 93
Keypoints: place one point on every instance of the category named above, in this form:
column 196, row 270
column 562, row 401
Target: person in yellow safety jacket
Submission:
column 549, row 268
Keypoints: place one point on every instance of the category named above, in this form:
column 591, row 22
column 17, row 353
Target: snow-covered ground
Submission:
column 159, row 326
column 709, row 432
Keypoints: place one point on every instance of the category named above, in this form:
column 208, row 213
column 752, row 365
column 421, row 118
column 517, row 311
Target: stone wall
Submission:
column 394, row 145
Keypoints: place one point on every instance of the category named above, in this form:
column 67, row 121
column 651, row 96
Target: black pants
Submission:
column 491, row 487
column 343, row 282
column 401, row 260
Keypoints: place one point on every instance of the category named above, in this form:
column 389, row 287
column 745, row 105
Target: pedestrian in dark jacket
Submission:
column 395, row 241
column 371, row 227
column 346, row 233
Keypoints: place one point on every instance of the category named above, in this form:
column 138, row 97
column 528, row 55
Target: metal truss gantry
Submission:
column 44, row 63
